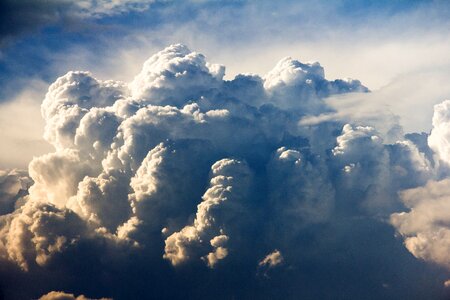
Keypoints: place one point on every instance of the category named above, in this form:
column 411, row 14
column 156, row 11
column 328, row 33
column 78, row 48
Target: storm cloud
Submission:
column 180, row 184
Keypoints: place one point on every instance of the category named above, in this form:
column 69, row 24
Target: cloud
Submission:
column 447, row 283
column 377, row 108
column 215, row 217
column 308, row 80
column 181, row 180
column 14, row 184
column 173, row 74
column 439, row 137
column 37, row 231
column 424, row 227
column 54, row 295
column 272, row 259
column 103, row 7
column 19, row 17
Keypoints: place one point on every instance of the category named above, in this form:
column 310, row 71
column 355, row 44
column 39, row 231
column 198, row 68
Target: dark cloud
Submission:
column 22, row 16
column 18, row 17
column 14, row 185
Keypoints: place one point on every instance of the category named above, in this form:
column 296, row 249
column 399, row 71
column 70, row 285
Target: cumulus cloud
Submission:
column 57, row 295
column 38, row 231
column 272, row 259
column 176, row 74
column 296, row 177
column 308, row 81
column 218, row 213
column 180, row 176
column 425, row 226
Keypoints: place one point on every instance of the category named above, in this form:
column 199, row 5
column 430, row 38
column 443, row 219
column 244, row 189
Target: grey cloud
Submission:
column 14, row 185
column 216, row 215
column 295, row 177
column 19, row 17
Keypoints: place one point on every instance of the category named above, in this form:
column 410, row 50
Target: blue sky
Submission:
column 41, row 51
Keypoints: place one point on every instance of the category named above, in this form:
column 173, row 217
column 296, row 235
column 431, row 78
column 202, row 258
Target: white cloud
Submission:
column 272, row 259
column 174, row 76
column 439, row 139
column 294, row 85
column 69, row 98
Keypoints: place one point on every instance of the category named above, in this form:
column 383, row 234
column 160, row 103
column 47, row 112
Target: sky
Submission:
column 224, row 149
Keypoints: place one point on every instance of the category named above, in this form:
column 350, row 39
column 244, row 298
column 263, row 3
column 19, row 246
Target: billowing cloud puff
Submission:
column 272, row 259
column 175, row 76
column 37, row 231
column 371, row 173
column 425, row 227
column 295, row 85
column 218, row 214
column 179, row 178
column 69, row 99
